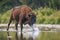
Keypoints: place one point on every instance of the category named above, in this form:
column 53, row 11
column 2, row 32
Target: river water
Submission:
column 27, row 31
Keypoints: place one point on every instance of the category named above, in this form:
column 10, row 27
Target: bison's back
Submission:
column 25, row 8
column 20, row 11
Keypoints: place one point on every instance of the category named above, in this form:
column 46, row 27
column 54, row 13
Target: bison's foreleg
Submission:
column 32, row 27
column 21, row 27
column 16, row 25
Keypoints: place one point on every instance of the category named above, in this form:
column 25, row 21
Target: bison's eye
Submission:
column 30, row 15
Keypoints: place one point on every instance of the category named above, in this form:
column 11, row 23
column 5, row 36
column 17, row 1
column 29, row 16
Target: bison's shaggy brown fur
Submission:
column 22, row 15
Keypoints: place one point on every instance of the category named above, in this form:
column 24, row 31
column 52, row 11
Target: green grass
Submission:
column 45, row 16
column 48, row 16
column 48, row 10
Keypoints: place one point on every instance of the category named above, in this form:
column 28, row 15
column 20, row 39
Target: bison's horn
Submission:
column 35, row 12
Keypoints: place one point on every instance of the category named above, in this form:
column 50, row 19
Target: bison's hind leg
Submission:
column 9, row 23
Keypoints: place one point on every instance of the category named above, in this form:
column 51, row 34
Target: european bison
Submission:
column 22, row 15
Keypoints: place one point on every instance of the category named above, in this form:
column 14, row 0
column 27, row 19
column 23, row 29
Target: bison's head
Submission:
column 31, row 19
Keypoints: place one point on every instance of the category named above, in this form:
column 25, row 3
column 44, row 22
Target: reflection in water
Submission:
column 16, row 35
column 24, row 38
column 25, row 35
column 30, row 38
column 30, row 34
column 21, row 36
column 8, row 36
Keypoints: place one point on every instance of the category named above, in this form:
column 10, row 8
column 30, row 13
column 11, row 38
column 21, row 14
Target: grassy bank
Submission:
column 48, row 16
column 45, row 16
